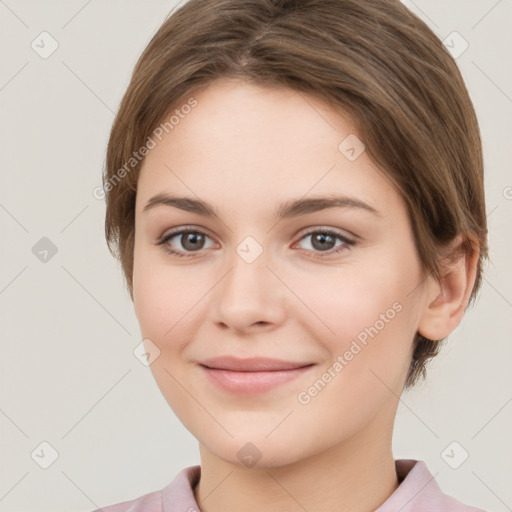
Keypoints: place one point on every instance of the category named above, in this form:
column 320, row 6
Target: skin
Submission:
column 246, row 149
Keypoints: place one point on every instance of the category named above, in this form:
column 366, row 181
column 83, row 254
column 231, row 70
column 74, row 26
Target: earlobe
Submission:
column 446, row 304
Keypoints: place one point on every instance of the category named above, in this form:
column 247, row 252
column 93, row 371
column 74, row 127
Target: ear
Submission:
column 447, row 299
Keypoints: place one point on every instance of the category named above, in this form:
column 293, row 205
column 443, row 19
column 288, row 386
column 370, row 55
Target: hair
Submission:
column 373, row 61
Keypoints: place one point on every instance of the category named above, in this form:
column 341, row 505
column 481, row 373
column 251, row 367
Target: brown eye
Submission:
column 324, row 241
column 184, row 241
column 192, row 241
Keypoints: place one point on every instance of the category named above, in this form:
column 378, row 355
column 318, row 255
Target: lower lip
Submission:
column 247, row 383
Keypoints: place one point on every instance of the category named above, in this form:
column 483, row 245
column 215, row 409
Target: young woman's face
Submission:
column 336, row 288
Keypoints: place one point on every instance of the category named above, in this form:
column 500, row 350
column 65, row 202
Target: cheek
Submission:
column 160, row 303
column 169, row 302
column 343, row 302
column 364, row 313
column 155, row 295
column 368, row 332
column 368, row 357
column 164, row 307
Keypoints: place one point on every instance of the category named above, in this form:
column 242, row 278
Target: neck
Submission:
column 358, row 474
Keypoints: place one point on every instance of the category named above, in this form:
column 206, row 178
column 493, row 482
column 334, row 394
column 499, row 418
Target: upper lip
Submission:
column 253, row 364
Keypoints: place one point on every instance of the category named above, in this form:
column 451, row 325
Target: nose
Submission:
column 250, row 296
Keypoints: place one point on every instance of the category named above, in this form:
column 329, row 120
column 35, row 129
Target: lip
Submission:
column 252, row 364
column 251, row 376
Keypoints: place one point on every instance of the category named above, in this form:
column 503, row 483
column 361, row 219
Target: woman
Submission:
column 295, row 193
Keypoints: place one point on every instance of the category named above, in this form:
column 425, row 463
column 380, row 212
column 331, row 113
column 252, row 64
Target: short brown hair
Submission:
column 372, row 60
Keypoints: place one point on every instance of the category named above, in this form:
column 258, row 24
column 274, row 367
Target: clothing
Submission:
column 417, row 492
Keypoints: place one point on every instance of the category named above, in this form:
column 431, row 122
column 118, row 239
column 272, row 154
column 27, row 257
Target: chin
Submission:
column 257, row 451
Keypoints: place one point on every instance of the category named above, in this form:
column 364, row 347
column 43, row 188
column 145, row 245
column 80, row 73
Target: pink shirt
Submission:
column 417, row 492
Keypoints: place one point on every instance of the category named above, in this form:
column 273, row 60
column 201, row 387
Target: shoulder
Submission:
column 179, row 494
column 418, row 491
column 450, row 504
column 151, row 502
column 444, row 503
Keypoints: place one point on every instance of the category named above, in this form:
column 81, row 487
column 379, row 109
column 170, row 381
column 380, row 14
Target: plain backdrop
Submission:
column 69, row 378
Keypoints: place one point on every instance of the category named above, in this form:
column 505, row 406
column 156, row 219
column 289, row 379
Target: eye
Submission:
column 191, row 240
column 324, row 240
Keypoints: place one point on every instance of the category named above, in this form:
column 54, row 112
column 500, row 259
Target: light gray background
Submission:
column 68, row 330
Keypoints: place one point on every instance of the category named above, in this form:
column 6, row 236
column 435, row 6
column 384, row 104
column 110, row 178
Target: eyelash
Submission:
column 347, row 243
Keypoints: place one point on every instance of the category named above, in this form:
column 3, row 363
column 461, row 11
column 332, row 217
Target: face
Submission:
column 330, row 288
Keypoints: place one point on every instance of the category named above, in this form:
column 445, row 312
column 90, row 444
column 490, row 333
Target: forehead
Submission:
column 243, row 142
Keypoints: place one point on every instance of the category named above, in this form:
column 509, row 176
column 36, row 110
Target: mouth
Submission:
column 252, row 364
column 252, row 376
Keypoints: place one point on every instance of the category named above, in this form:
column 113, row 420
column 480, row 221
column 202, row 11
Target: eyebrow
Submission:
column 288, row 209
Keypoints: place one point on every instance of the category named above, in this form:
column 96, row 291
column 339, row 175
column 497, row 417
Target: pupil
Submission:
column 321, row 240
column 192, row 239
